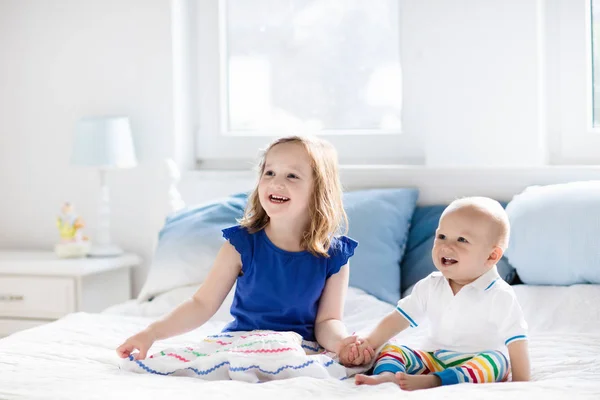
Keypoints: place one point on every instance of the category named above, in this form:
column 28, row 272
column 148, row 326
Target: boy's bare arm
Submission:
column 519, row 360
column 388, row 327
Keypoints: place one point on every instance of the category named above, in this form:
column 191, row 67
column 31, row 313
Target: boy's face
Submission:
column 464, row 248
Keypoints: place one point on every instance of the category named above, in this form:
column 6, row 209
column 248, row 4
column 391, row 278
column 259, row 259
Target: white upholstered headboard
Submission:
column 436, row 185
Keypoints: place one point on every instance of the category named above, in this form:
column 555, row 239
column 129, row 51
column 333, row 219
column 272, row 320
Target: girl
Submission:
column 291, row 268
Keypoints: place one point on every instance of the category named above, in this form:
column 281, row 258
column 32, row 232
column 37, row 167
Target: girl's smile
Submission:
column 273, row 198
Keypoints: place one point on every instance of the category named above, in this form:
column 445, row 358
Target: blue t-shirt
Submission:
column 280, row 290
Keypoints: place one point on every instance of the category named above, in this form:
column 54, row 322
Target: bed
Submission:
column 74, row 357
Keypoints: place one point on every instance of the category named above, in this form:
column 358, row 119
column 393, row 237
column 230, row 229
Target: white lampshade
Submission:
column 104, row 142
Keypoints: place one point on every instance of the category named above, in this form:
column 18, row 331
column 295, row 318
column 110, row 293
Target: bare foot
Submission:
column 416, row 382
column 384, row 377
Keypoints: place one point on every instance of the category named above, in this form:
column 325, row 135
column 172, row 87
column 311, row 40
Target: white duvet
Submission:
column 74, row 358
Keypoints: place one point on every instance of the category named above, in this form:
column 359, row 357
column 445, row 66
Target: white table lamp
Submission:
column 104, row 143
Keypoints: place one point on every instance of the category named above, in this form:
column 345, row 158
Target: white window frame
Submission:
column 573, row 138
column 216, row 148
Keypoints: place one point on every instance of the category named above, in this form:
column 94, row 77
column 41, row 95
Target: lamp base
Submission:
column 108, row 250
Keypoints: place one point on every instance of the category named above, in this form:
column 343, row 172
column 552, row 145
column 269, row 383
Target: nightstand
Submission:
column 38, row 287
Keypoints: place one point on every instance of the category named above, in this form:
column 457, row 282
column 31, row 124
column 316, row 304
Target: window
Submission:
column 573, row 83
column 595, row 19
column 268, row 68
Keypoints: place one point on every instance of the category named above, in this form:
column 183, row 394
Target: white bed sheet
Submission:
column 74, row 358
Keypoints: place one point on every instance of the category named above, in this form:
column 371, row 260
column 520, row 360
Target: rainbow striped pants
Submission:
column 450, row 366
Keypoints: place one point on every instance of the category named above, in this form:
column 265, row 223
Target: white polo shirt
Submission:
column 484, row 315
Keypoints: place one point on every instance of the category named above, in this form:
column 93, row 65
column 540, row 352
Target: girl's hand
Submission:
column 141, row 341
column 348, row 350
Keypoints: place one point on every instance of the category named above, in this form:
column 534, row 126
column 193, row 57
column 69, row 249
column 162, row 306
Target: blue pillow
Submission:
column 379, row 220
column 188, row 244
column 554, row 234
column 417, row 262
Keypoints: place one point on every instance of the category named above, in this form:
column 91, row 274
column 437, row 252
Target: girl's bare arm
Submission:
column 329, row 329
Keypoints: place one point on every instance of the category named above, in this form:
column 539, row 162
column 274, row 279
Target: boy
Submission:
column 475, row 319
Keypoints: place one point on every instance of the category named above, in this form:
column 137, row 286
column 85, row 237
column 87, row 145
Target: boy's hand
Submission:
column 141, row 341
column 366, row 353
column 355, row 351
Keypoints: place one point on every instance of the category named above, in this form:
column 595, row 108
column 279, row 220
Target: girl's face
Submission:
column 286, row 185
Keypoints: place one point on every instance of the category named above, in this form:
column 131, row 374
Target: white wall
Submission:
column 472, row 73
column 63, row 59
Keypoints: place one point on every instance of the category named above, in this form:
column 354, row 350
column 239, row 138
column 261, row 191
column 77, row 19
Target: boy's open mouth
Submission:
column 278, row 199
column 448, row 261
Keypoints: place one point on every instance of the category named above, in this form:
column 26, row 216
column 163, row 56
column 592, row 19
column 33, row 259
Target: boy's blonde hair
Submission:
column 327, row 215
column 490, row 209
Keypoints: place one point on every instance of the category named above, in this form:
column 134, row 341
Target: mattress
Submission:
column 74, row 358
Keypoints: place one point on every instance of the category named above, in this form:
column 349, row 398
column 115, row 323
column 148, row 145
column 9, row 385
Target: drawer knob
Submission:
column 11, row 297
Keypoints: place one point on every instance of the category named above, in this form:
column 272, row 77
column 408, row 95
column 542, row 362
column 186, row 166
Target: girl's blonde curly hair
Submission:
column 327, row 215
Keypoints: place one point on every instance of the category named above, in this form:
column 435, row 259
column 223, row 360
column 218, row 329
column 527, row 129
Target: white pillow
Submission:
column 187, row 264
column 555, row 234
column 164, row 303
column 188, row 245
